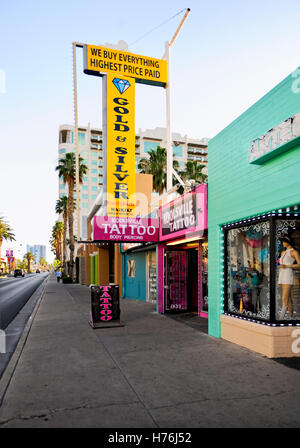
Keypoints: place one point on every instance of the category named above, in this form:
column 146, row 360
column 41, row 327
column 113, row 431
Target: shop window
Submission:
column 287, row 250
column 262, row 269
column 248, row 270
column 130, row 268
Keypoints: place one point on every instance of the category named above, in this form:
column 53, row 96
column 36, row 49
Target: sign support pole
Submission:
column 76, row 140
column 168, row 123
column 168, row 106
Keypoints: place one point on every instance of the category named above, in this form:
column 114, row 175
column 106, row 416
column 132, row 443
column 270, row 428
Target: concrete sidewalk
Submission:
column 153, row 372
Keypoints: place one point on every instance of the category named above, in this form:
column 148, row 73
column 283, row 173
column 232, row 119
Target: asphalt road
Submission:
column 14, row 293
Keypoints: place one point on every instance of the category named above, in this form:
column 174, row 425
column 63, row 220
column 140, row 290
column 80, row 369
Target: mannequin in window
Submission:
column 286, row 278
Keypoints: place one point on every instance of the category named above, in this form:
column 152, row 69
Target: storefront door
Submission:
column 176, row 281
column 193, row 279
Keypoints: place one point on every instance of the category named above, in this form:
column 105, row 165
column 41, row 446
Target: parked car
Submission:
column 19, row 273
column 38, row 271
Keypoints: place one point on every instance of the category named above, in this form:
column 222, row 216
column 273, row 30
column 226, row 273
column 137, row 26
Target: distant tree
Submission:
column 6, row 232
column 62, row 209
column 56, row 239
column 193, row 171
column 67, row 169
column 156, row 165
column 29, row 257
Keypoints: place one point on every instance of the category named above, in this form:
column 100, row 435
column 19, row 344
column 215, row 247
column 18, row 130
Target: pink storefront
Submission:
column 182, row 254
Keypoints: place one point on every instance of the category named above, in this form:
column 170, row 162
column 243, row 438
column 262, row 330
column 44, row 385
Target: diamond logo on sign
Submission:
column 121, row 84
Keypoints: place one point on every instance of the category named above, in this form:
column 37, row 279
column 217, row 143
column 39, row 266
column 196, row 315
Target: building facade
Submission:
column 91, row 150
column 38, row 251
column 253, row 204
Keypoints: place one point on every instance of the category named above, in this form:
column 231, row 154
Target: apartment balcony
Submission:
column 97, row 138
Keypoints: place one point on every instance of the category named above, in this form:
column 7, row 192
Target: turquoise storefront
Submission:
column 253, row 203
column 134, row 275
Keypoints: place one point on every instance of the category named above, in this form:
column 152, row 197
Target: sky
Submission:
column 227, row 55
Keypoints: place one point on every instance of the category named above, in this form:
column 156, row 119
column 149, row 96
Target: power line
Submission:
column 158, row 26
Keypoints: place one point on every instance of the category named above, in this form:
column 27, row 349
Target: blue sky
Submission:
column 227, row 55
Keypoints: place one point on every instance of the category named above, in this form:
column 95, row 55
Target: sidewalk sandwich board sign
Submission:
column 105, row 306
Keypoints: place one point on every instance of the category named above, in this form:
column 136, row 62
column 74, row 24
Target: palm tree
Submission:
column 156, row 165
column 67, row 169
column 29, row 257
column 56, row 240
column 5, row 232
column 193, row 170
column 62, row 208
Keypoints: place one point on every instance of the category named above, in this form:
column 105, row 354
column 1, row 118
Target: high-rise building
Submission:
column 90, row 149
column 37, row 250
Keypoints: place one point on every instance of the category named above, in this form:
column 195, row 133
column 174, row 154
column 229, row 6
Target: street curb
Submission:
column 13, row 362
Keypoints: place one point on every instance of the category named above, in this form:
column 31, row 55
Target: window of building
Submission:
column 94, row 162
column 100, row 171
column 287, row 280
column 62, row 151
column 248, row 271
column 94, row 179
column 65, row 136
column 130, row 268
column 84, row 153
column 84, row 187
column 94, row 188
column 62, row 186
column 61, row 195
column 177, row 150
column 94, row 154
column 148, row 146
column 94, row 197
column 84, row 205
column 262, row 268
column 84, row 196
column 93, row 171
column 85, row 179
column 81, row 138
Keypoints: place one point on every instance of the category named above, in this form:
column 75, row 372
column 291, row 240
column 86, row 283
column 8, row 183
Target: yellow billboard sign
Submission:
column 120, row 145
column 101, row 60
